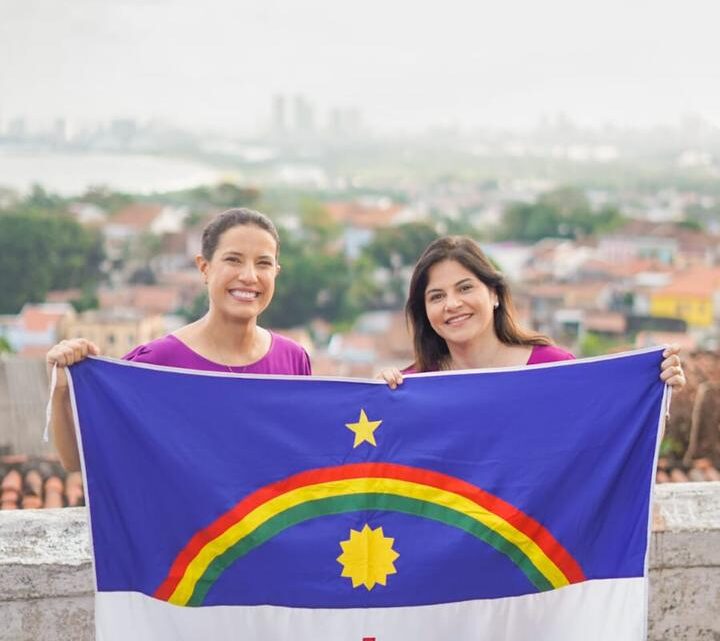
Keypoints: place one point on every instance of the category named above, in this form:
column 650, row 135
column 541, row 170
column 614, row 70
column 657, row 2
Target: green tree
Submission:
column 224, row 195
column 561, row 213
column 39, row 199
column 400, row 246
column 567, row 202
column 311, row 284
column 105, row 198
column 197, row 308
column 692, row 225
column 88, row 300
column 529, row 222
column 364, row 292
column 396, row 249
column 40, row 252
column 318, row 226
column 5, row 346
column 594, row 344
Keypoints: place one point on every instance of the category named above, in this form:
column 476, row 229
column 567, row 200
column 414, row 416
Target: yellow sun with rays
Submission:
column 368, row 557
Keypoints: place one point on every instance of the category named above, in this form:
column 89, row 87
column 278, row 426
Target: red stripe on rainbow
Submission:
column 522, row 522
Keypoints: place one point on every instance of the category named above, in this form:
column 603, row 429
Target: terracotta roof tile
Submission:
column 34, row 351
column 53, row 499
column 650, row 338
column 31, row 502
column 32, row 483
column 137, row 215
column 363, row 215
column 678, row 476
column 707, row 469
column 12, row 481
column 662, row 477
column 695, row 475
column 54, row 484
column 603, row 321
column 160, row 299
column 10, row 496
column 33, row 480
column 43, row 316
column 63, row 295
column 685, row 237
column 696, row 282
column 674, row 472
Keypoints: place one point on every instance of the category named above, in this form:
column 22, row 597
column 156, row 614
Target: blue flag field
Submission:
column 504, row 505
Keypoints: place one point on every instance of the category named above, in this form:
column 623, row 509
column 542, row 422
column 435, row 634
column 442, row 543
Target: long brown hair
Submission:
column 431, row 351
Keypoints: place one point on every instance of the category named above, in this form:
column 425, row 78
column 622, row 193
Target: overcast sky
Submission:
column 468, row 62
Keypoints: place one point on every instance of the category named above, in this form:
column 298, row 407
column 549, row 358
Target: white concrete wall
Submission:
column 685, row 563
column 46, row 580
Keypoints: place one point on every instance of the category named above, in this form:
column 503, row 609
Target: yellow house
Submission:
column 691, row 296
column 115, row 333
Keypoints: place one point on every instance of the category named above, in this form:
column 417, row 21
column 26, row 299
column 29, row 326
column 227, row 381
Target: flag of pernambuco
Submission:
column 500, row 505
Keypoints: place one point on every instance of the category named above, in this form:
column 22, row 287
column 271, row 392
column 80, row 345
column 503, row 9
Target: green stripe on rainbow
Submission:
column 383, row 486
column 355, row 503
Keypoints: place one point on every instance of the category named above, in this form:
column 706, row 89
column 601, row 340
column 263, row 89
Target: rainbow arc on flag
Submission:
column 359, row 487
column 514, row 503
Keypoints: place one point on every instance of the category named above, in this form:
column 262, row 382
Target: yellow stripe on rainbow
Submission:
column 380, row 485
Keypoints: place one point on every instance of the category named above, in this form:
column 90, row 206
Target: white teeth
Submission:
column 457, row 319
column 243, row 294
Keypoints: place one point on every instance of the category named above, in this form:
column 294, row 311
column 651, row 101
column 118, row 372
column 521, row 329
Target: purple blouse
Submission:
column 284, row 357
column 539, row 354
column 548, row 354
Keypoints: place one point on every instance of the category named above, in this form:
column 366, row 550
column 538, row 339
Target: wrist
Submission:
column 61, row 381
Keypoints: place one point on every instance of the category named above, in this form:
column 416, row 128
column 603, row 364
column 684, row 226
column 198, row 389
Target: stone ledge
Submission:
column 46, row 577
column 687, row 506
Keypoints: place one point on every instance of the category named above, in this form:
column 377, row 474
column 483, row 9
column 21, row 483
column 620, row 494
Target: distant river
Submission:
column 71, row 174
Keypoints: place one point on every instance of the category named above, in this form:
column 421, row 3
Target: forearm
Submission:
column 61, row 356
column 63, row 429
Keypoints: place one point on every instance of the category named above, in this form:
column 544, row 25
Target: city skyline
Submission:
column 403, row 67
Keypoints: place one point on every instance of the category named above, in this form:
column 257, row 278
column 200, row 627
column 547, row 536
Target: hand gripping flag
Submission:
column 505, row 505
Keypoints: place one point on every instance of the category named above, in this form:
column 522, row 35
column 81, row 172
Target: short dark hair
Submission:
column 232, row 218
column 431, row 351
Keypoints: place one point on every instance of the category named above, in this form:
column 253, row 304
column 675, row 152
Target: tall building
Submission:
column 59, row 133
column 303, row 115
column 123, row 130
column 279, row 114
column 345, row 121
column 17, row 129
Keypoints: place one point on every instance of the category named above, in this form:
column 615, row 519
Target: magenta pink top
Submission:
column 539, row 354
column 284, row 357
column 548, row 354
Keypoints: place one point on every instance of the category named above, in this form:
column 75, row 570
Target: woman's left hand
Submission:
column 671, row 370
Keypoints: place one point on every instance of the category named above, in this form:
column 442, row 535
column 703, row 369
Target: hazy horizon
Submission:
column 217, row 64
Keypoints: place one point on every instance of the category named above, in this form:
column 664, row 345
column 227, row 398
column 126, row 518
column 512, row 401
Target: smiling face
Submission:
column 241, row 273
column 458, row 305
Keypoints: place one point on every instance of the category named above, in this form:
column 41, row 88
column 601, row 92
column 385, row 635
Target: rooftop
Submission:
column 137, row 215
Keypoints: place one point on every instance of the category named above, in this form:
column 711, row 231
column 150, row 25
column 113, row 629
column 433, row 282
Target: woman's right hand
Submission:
column 68, row 352
column 392, row 376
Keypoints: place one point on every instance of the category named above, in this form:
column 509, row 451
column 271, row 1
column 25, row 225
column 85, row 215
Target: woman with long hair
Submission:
column 461, row 314
column 238, row 264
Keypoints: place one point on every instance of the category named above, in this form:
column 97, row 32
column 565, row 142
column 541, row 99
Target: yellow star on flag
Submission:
column 363, row 429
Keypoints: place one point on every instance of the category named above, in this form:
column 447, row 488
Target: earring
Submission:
column 496, row 305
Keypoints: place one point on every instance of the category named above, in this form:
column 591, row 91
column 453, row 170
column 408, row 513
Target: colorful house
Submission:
column 693, row 296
